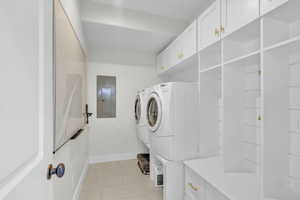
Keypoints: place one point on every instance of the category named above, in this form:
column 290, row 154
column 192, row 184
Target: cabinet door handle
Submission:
column 259, row 118
column 222, row 29
column 192, row 186
column 217, row 32
column 180, row 55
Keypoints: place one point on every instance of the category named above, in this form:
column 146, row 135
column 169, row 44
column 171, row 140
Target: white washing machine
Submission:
column 172, row 118
column 140, row 116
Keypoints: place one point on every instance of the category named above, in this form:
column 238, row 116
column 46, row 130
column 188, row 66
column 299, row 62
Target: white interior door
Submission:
column 70, row 101
column 26, row 107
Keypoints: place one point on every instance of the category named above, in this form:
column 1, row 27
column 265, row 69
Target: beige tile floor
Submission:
column 119, row 180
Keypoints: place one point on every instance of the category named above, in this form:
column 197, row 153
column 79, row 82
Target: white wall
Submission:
column 115, row 138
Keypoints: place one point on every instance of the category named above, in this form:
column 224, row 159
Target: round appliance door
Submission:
column 154, row 112
column 137, row 109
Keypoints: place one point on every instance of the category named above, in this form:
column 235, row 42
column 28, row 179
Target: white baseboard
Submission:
column 80, row 182
column 112, row 157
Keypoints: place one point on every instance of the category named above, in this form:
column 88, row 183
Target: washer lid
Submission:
column 154, row 112
column 137, row 109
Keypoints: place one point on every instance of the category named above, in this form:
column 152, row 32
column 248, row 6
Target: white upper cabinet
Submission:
column 209, row 26
column 167, row 58
column 189, row 41
column 160, row 62
column 179, row 50
column 185, row 45
column 175, row 50
column 237, row 13
column 268, row 5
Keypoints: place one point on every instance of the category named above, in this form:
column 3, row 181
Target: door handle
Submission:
column 87, row 113
column 59, row 171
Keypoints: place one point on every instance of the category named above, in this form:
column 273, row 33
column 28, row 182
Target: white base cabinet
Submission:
column 197, row 188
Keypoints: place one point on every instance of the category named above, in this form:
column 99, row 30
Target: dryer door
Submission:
column 137, row 109
column 154, row 112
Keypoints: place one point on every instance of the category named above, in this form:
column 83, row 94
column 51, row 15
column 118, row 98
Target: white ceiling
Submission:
column 113, row 37
column 178, row 9
column 135, row 27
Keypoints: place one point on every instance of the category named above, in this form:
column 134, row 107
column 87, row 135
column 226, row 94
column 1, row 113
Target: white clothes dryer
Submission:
column 172, row 118
column 140, row 115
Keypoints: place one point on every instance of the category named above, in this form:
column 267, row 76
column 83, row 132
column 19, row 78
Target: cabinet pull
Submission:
column 217, row 32
column 179, row 55
column 222, row 29
column 259, row 118
column 192, row 186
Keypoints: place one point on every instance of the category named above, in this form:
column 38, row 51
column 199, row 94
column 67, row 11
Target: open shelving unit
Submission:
column 281, row 150
column 241, row 127
column 243, row 42
column 281, row 100
column 230, row 120
column 282, row 24
column 250, row 103
column 210, row 57
column 249, row 87
column 211, row 112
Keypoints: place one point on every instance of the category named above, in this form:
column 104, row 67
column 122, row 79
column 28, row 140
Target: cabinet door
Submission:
column 194, row 185
column 237, row 13
column 209, row 25
column 163, row 61
column 189, row 41
column 173, row 52
column 159, row 63
column 268, row 5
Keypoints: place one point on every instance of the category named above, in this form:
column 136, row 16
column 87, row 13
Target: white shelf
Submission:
column 242, row 42
column 211, row 68
column 250, row 56
column 210, row 56
column 236, row 186
column 283, row 43
column 282, row 23
column 189, row 63
column 212, row 45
